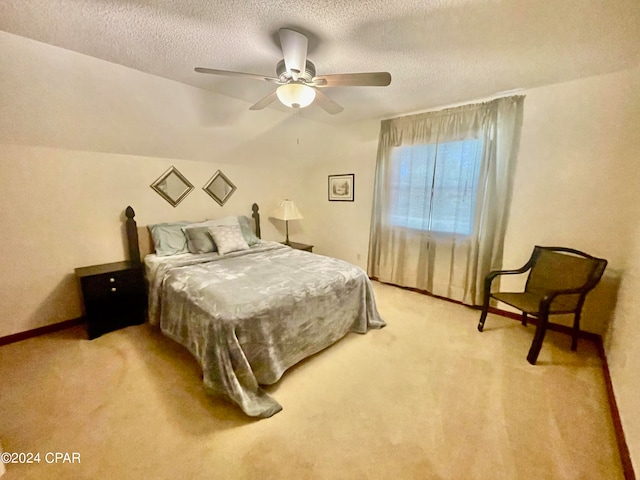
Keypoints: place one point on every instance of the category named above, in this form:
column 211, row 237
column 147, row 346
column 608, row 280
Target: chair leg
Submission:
column 486, row 296
column 536, row 345
column 524, row 318
column 483, row 315
column 576, row 331
column 485, row 308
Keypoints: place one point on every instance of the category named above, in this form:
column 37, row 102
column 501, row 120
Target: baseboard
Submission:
column 625, row 457
column 594, row 337
column 621, row 440
column 36, row 332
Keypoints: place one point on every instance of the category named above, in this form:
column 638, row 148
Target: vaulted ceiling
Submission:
column 439, row 52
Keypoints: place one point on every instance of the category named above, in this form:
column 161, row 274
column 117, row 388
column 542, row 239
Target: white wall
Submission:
column 81, row 138
column 575, row 169
column 622, row 342
column 62, row 99
column 64, row 209
column 576, row 185
column 623, row 351
column 341, row 229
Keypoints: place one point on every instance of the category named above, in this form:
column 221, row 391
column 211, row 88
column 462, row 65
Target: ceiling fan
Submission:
column 298, row 85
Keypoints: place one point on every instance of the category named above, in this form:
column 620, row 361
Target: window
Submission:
column 441, row 198
column 434, row 187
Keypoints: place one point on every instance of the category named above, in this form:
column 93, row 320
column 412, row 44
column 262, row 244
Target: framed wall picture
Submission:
column 341, row 187
column 172, row 186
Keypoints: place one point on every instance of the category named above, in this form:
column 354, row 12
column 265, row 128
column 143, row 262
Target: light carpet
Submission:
column 427, row 397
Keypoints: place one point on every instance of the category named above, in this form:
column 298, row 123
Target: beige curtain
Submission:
column 445, row 251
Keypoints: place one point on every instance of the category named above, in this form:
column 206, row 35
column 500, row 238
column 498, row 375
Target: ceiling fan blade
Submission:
column 369, row 79
column 294, row 49
column 237, row 74
column 325, row 102
column 265, row 101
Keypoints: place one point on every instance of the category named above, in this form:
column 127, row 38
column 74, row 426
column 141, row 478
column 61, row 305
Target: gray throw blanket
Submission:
column 249, row 316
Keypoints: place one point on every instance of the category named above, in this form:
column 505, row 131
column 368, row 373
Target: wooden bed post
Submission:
column 256, row 218
column 132, row 237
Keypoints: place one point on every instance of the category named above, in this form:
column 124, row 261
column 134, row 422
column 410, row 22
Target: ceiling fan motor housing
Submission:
column 285, row 76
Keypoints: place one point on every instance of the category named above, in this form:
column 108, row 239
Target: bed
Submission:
column 249, row 314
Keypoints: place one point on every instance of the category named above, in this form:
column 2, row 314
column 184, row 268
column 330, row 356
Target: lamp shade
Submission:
column 296, row 95
column 287, row 210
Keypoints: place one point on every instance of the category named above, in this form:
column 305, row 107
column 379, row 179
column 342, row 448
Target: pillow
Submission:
column 229, row 220
column 199, row 239
column 246, row 225
column 228, row 238
column 168, row 238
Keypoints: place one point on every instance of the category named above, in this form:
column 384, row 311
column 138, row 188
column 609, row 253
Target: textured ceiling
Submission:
column 438, row 52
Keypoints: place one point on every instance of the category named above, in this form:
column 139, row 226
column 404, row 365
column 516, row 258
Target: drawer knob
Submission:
column 113, row 289
column 112, row 279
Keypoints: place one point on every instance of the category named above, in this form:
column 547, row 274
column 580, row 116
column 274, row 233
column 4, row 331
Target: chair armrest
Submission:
column 491, row 276
column 495, row 273
column 527, row 266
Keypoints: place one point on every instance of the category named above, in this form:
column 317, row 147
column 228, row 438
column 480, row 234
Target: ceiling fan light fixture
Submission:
column 296, row 95
column 299, row 86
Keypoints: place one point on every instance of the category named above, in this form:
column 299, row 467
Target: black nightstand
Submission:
column 114, row 296
column 299, row 246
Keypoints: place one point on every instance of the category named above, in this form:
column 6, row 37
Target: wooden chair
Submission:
column 559, row 280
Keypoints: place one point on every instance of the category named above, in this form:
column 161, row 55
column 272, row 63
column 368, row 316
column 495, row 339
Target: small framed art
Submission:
column 172, row 186
column 341, row 188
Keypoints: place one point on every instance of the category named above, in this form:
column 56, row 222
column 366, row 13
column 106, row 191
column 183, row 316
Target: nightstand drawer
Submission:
column 125, row 282
column 114, row 296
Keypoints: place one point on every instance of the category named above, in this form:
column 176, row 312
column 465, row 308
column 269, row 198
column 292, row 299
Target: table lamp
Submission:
column 286, row 211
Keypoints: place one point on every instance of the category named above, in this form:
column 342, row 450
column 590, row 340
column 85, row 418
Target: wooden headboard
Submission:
column 139, row 239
